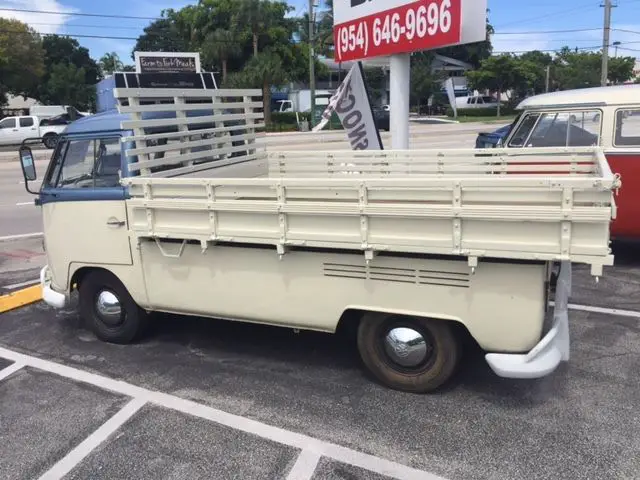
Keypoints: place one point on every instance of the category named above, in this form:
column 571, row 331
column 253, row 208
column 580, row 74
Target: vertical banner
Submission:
column 452, row 95
column 351, row 104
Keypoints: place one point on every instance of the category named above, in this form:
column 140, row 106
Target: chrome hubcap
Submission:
column 108, row 307
column 406, row 347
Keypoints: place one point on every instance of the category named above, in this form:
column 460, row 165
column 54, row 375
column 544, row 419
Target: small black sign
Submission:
column 162, row 80
column 168, row 64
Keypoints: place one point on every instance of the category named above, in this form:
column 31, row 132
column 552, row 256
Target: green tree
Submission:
column 621, row 69
column 501, row 73
column 21, row 58
column 424, row 82
column 220, row 46
column 67, row 86
column 67, row 52
column 161, row 35
column 110, row 62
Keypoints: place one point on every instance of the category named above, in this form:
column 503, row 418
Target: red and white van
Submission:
column 604, row 116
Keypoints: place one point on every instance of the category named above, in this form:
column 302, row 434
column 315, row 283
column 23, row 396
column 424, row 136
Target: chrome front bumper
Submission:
column 554, row 347
column 49, row 295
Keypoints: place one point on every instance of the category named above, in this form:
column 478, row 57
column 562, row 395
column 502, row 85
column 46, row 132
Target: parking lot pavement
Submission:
column 289, row 392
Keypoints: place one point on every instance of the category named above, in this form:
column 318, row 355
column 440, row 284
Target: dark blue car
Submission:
column 490, row 140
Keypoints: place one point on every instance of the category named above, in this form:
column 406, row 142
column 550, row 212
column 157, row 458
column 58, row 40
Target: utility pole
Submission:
column 548, row 78
column 608, row 6
column 312, row 63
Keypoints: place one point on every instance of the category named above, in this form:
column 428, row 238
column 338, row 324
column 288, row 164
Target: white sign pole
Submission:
column 400, row 85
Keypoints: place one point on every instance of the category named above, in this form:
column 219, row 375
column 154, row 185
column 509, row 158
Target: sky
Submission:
column 520, row 25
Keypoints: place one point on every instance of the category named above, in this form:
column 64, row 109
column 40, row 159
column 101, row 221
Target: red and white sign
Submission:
column 371, row 28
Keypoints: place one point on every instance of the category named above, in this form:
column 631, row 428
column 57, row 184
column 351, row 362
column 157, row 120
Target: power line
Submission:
column 79, row 25
column 77, row 14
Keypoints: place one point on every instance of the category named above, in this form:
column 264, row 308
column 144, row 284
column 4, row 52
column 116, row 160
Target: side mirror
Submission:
column 28, row 166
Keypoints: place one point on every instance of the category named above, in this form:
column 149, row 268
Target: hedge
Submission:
column 481, row 112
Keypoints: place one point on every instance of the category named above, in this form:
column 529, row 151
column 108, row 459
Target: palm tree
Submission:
column 220, row 46
column 110, row 62
column 251, row 13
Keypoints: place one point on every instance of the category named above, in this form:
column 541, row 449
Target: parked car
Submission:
column 491, row 139
column 14, row 130
column 382, row 118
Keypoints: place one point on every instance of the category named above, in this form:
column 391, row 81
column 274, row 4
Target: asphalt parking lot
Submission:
column 210, row 399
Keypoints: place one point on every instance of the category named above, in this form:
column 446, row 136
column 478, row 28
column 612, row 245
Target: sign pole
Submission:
column 400, row 84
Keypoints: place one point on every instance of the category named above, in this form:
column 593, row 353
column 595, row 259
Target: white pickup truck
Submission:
column 14, row 130
column 157, row 208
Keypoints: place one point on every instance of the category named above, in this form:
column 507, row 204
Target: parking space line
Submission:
column 20, row 298
column 605, row 311
column 305, row 466
column 21, row 236
column 253, row 427
column 10, row 370
column 78, row 454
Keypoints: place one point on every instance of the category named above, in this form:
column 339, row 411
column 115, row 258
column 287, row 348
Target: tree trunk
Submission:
column 266, row 102
column 255, row 45
column 224, row 72
column 499, row 102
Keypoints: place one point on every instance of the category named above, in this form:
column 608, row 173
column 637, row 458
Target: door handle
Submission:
column 115, row 223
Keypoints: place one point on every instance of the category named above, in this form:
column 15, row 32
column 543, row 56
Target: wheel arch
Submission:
column 351, row 317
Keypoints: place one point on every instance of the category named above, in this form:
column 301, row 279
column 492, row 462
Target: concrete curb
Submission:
column 18, row 299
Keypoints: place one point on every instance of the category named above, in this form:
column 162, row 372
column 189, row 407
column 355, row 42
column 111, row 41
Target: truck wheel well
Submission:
column 79, row 274
column 350, row 319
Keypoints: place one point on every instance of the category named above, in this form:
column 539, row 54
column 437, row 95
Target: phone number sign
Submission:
column 371, row 28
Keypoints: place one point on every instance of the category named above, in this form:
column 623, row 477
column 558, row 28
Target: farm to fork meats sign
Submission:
column 371, row 28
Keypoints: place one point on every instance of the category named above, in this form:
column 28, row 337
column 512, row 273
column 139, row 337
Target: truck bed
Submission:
column 518, row 204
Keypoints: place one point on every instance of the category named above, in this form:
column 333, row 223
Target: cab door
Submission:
column 623, row 157
column 83, row 206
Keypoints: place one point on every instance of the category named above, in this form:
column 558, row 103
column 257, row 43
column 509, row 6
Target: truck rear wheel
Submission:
column 410, row 354
column 109, row 310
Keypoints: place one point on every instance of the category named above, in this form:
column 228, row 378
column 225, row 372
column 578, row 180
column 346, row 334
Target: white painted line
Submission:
column 269, row 432
column 19, row 285
column 75, row 456
column 606, row 311
column 21, row 204
column 305, row 466
column 10, row 370
column 21, row 236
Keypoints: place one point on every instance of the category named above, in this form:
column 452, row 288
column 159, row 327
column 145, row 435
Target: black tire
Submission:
column 50, row 140
column 443, row 352
column 130, row 324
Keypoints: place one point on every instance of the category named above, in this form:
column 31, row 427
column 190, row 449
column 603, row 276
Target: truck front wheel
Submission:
column 410, row 354
column 109, row 310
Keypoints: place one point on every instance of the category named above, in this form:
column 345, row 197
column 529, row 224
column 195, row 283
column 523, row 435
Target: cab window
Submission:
column 8, row 123
column 627, row 132
column 86, row 163
column 560, row 129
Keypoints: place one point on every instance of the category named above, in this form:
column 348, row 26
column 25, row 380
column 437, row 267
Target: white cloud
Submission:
column 41, row 22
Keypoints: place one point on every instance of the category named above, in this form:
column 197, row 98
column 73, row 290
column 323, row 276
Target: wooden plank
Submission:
column 186, row 92
column 190, row 107
column 192, row 144
column 177, row 159
column 208, row 165
column 201, row 131
column 174, row 122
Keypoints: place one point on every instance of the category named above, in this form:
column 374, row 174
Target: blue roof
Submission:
column 100, row 122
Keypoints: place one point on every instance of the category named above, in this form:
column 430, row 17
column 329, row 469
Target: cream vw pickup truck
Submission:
column 172, row 204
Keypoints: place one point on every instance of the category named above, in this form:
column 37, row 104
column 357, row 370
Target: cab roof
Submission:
column 596, row 96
